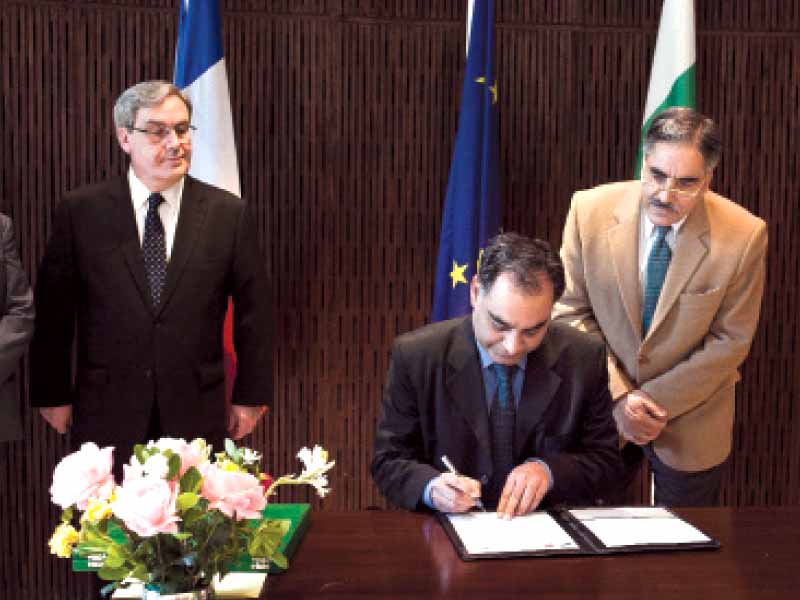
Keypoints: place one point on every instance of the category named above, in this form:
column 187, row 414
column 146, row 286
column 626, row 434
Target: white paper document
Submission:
column 632, row 526
column 485, row 533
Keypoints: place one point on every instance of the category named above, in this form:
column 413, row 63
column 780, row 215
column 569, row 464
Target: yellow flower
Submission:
column 97, row 510
column 228, row 465
column 64, row 538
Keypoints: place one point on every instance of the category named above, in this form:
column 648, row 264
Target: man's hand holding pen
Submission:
column 453, row 493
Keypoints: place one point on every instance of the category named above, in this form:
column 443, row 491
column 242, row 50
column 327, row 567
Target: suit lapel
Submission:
column 464, row 383
column 124, row 223
column 538, row 390
column 623, row 241
column 690, row 249
column 190, row 224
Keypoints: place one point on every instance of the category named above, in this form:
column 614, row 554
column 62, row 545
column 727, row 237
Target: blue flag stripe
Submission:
column 199, row 42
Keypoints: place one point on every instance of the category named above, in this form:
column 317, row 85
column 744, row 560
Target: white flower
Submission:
column 156, row 466
column 133, row 470
column 316, row 465
column 167, row 443
column 321, row 485
column 250, row 457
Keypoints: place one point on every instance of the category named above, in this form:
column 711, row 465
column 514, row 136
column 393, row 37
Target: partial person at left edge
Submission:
column 16, row 329
column 137, row 272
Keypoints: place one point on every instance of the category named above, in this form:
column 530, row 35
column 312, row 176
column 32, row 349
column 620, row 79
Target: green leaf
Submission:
column 138, row 451
column 280, row 560
column 186, row 500
column 230, row 448
column 174, row 464
column 112, row 574
column 66, row 514
column 191, row 481
column 96, row 540
column 114, row 558
column 184, row 535
column 139, row 572
column 267, row 537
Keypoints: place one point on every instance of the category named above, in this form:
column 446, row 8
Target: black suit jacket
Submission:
column 434, row 404
column 16, row 329
column 92, row 287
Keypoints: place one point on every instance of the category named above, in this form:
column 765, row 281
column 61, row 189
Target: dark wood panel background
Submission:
column 345, row 115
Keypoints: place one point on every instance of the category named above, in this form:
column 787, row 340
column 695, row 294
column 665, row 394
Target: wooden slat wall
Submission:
column 345, row 114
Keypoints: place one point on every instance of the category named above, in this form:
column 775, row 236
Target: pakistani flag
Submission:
column 673, row 73
column 200, row 72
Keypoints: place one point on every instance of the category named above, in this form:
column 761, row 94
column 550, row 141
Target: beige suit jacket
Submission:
column 703, row 324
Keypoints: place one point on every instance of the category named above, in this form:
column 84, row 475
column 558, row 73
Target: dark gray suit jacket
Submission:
column 16, row 329
column 92, row 287
column 434, row 404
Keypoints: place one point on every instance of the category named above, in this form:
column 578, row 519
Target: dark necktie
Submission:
column 502, row 417
column 656, row 272
column 154, row 249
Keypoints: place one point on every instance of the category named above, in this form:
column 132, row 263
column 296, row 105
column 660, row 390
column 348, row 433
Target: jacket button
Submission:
column 148, row 374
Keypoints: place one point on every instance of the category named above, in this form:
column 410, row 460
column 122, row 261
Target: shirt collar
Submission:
column 140, row 193
column 486, row 361
column 649, row 226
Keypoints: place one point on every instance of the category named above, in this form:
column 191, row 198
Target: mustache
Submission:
column 656, row 203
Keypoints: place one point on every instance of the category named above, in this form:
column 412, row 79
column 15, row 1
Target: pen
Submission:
column 452, row 469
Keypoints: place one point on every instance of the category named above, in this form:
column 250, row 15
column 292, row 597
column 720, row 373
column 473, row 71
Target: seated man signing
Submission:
column 518, row 404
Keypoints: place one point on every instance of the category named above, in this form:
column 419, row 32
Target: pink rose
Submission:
column 82, row 476
column 233, row 492
column 147, row 506
column 192, row 455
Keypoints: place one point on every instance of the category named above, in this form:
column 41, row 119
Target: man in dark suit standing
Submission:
column 16, row 329
column 518, row 404
column 139, row 270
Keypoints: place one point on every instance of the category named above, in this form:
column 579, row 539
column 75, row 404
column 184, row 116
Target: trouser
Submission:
column 672, row 487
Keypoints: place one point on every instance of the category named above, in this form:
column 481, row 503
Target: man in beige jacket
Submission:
column 671, row 275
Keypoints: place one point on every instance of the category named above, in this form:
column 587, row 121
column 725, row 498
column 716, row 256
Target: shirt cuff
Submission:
column 546, row 468
column 426, row 495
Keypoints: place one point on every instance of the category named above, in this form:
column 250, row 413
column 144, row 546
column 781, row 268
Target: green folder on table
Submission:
column 297, row 514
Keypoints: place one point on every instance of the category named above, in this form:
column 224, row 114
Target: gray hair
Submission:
column 144, row 95
column 680, row 125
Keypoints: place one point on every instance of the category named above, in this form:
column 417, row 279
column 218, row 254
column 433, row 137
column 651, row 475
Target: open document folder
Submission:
column 572, row 531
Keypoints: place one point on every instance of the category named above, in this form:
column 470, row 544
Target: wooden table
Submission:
column 387, row 554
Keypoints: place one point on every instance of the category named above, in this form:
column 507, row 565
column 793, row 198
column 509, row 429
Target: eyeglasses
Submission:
column 683, row 187
column 157, row 132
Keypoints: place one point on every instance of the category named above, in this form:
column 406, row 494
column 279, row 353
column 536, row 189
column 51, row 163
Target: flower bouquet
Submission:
column 179, row 518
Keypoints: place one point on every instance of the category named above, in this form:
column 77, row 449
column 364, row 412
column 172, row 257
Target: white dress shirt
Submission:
column 647, row 235
column 167, row 210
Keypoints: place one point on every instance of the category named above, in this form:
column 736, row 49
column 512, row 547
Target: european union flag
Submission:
column 472, row 207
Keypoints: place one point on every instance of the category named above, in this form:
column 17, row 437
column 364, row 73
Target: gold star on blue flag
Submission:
column 472, row 206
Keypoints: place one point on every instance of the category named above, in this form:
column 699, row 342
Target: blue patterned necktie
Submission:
column 657, row 265
column 154, row 249
column 502, row 418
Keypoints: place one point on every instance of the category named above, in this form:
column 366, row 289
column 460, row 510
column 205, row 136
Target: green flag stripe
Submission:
column 682, row 93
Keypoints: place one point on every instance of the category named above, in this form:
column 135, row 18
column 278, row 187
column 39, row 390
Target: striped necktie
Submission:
column 657, row 265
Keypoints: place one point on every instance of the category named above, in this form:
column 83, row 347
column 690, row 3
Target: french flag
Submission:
column 200, row 72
